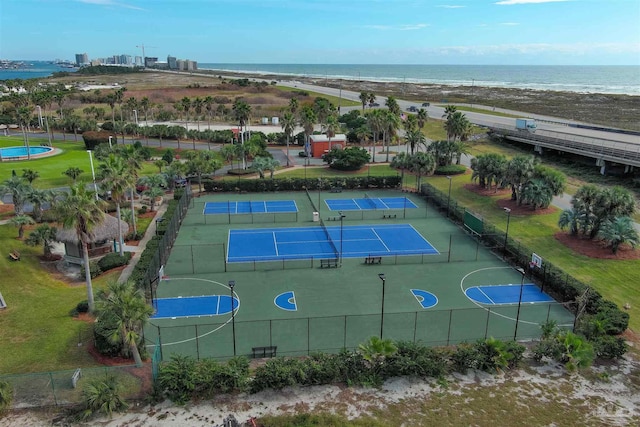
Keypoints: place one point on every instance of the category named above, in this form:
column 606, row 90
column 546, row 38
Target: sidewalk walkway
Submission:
column 137, row 250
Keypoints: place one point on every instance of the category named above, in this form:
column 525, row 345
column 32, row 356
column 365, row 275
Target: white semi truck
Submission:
column 528, row 125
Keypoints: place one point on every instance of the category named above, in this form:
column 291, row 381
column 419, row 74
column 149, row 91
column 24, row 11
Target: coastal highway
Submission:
column 545, row 123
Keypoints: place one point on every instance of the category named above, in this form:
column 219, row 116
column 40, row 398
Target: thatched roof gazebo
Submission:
column 101, row 243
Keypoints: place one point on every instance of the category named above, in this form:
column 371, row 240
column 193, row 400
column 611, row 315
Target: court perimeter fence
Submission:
column 169, row 231
column 211, row 258
column 304, row 336
column 550, row 278
column 64, row 388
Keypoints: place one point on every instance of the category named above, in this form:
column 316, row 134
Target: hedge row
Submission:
column 300, row 184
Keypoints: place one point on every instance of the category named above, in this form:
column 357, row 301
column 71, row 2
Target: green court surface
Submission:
column 335, row 308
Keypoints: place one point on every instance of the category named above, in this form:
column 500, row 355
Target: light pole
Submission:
column 232, row 284
column 135, row 114
column 93, row 173
column 506, row 233
column 523, row 272
column 341, row 218
column 449, row 198
column 110, row 137
column 384, row 279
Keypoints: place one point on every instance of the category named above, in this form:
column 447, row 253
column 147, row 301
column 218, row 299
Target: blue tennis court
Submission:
column 266, row 206
column 370, row 203
column 270, row 244
column 507, row 294
column 208, row 305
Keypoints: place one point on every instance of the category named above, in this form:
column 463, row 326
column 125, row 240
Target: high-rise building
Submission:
column 138, row 61
column 150, row 61
column 81, row 59
column 172, row 63
column 126, row 60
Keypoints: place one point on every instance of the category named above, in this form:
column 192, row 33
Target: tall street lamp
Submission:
column 135, row 114
column 93, row 173
column 506, row 233
column 110, row 138
column 383, row 278
column 232, row 284
column 523, row 272
column 449, row 198
column 341, row 218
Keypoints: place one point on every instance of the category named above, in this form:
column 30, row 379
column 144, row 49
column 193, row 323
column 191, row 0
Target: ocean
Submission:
column 577, row 78
column 585, row 79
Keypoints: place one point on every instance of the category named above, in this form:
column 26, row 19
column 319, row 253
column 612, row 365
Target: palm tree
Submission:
column 186, row 107
column 24, row 117
column 415, row 138
column 43, row 235
column 241, row 112
column 18, row 189
column 111, row 101
column 537, row 194
column 331, row 128
column 390, row 124
column 375, row 123
column 208, row 106
column 308, row 120
column 262, row 164
column 364, row 98
column 160, row 163
column 392, row 105
column 372, row 98
column 569, row 218
column 19, row 221
column 422, row 164
column 362, row 133
column 197, row 108
column 519, row 171
column 81, row 210
column 30, row 175
column 73, row 173
column 376, row 350
column 449, row 110
column 144, row 106
column 288, row 124
column 125, row 304
column 293, row 106
column 154, row 185
column 401, row 161
column 423, row 115
column 618, row 231
column 114, row 176
column 39, row 197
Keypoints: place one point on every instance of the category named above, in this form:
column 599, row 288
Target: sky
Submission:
column 492, row 32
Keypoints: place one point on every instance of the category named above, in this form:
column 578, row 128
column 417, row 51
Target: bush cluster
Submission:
column 113, row 260
column 183, row 378
column 92, row 139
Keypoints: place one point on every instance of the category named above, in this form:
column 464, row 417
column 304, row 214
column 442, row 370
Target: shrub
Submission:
column 450, row 170
column 143, row 210
column 609, row 347
column 103, row 329
column 6, row 396
column 102, row 396
column 277, row 374
column 241, row 172
column 214, row 377
column 349, row 159
column 83, row 307
column 113, row 260
column 94, row 270
column 416, row 360
column 177, row 378
column 92, row 138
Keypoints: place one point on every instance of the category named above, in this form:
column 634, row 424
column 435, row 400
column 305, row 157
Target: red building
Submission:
column 320, row 144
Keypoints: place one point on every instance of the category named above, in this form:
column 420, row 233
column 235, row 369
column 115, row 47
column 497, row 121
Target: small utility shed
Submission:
column 101, row 242
column 320, row 143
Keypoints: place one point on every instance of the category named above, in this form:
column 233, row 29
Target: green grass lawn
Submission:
column 332, row 99
column 38, row 334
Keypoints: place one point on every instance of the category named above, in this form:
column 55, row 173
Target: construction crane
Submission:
column 142, row 46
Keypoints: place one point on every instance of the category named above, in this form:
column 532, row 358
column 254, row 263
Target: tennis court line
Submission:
column 380, row 239
column 275, row 243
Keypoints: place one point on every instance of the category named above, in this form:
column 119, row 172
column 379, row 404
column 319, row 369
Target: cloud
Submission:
column 510, row 2
column 110, row 3
column 539, row 48
column 404, row 27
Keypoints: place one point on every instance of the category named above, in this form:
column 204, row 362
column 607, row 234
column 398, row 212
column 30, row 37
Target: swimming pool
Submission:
column 20, row 153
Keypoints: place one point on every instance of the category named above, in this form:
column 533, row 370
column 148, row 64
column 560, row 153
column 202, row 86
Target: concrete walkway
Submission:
column 137, row 250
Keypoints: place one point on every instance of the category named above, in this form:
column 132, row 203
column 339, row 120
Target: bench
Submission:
column 75, row 377
column 329, row 263
column 14, row 255
column 373, row 260
column 336, row 189
column 268, row 351
column 333, row 218
column 394, row 216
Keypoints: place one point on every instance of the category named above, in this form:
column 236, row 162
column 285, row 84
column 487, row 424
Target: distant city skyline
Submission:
column 509, row 32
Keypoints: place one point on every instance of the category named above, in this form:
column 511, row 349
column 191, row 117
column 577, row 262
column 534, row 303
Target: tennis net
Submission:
column 333, row 245
column 370, row 201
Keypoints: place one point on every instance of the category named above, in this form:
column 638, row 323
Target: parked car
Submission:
column 425, row 104
column 412, row 109
column 180, row 182
column 374, row 104
column 302, row 154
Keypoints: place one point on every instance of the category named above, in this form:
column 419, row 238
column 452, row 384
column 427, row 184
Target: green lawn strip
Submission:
column 486, row 111
column 612, row 278
column 38, row 333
